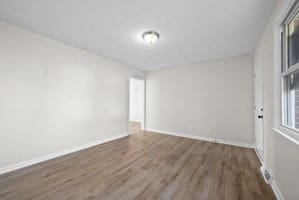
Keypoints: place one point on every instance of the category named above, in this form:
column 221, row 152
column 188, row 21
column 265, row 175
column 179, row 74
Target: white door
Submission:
column 259, row 107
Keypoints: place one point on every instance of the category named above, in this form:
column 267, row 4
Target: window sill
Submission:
column 287, row 133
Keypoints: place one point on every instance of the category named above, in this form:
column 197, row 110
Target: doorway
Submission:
column 259, row 107
column 137, row 106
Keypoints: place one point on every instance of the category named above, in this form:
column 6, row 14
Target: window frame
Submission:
column 285, row 68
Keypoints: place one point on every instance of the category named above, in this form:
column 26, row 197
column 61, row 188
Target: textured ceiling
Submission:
column 191, row 30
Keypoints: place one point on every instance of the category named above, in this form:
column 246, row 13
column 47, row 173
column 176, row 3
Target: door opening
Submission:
column 137, row 106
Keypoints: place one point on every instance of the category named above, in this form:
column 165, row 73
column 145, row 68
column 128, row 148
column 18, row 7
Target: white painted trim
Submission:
column 272, row 183
column 259, row 156
column 276, row 191
column 286, row 135
column 197, row 137
column 277, row 96
column 27, row 163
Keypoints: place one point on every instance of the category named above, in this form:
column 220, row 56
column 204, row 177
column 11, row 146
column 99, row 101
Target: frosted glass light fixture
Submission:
column 150, row 37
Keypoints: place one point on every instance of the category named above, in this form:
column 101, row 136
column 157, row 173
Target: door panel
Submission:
column 259, row 107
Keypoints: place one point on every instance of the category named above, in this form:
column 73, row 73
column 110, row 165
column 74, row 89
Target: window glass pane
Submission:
column 291, row 114
column 293, row 41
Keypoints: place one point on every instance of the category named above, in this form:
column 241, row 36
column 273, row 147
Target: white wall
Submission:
column 281, row 154
column 137, row 93
column 54, row 96
column 211, row 99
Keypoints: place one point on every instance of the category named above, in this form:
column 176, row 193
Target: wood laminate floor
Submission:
column 143, row 166
column 134, row 127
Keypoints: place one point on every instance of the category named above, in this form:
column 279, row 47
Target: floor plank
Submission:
column 134, row 127
column 143, row 166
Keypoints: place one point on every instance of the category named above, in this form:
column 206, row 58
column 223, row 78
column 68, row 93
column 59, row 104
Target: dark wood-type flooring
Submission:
column 143, row 166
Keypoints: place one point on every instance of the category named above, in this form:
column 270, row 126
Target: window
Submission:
column 290, row 69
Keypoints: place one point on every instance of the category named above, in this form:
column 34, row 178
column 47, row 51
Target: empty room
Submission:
column 144, row 100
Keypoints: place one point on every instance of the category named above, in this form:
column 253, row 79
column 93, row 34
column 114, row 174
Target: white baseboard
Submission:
column 27, row 163
column 272, row 183
column 276, row 191
column 258, row 156
column 209, row 139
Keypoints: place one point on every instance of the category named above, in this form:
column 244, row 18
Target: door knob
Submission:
column 260, row 116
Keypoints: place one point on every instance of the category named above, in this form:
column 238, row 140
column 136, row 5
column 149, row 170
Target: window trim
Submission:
column 280, row 18
column 285, row 68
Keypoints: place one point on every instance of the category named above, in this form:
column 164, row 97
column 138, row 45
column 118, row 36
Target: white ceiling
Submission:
column 191, row 30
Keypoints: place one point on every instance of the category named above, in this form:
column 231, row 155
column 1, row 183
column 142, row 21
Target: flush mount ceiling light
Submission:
column 150, row 37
